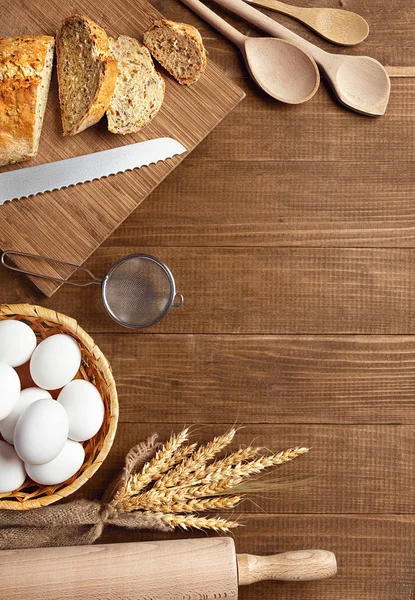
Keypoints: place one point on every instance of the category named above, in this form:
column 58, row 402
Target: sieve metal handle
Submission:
column 8, row 253
column 177, row 301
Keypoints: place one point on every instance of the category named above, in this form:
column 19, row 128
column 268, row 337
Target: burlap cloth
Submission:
column 81, row 521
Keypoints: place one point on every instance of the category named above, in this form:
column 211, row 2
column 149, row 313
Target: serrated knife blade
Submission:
column 29, row 181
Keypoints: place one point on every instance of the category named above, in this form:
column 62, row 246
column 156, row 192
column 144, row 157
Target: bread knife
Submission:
column 25, row 182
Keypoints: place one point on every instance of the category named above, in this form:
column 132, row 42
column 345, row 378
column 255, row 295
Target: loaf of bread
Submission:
column 87, row 73
column 139, row 90
column 178, row 48
column 25, row 71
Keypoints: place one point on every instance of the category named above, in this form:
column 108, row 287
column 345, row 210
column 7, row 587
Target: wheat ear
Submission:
column 218, row 483
column 181, row 505
column 158, row 465
column 242, row 455
column 194, row 521
column 183, row 472
column 222, row 480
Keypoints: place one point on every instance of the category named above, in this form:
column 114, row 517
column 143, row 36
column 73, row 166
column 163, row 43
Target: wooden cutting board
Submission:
column 70, row 224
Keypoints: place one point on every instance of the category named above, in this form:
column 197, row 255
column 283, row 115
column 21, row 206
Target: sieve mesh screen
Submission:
column 138, row 291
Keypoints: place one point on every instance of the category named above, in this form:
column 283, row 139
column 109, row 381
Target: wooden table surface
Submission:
column 291, row 234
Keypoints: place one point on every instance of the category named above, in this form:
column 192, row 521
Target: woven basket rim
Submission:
column 32, row 310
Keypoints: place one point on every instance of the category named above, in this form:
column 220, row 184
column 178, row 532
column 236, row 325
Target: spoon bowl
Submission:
column 281, row 69
column 341, row 27
column 360, row 82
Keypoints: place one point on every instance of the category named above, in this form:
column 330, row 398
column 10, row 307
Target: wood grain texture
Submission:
column 263, row 379
column 341, row 136
column 374, row 208
column 190, row 568
column 70, row 224
column 301, row 565
column 268, row 291
column 173, row 569
column 337, row 190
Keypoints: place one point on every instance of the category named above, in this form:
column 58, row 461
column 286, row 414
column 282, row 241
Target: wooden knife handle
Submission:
column 301, row 565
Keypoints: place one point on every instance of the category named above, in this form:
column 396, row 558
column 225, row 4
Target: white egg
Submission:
column 85, row 409
column 12, row 471
column 9, row 389
column 41, row 431
column 26, row 398
column 55, row 362
column 17, row 342
column 61, row 468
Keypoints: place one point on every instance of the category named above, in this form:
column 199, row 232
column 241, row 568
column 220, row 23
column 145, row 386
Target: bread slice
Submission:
column 25, row 71
column 139, row 90
column 86, row 73
column 178, row 48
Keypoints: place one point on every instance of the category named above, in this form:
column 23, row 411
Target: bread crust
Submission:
column 108, row 75
column 22, row 61
column 187, row 30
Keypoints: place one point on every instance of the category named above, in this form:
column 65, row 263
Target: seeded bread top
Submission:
column 23, row 57
column 23, row 62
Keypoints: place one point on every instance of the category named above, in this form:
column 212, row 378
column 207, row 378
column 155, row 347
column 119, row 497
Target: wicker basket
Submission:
column 94, row 368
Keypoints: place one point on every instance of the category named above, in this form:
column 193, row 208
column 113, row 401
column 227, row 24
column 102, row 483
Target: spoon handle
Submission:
column 336, row 25
column 257, row 18
column 216, row 21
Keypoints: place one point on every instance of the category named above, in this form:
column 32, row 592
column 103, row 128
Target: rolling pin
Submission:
column 169, row 570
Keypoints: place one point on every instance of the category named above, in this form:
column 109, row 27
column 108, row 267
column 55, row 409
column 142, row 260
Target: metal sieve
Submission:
column 138, row 290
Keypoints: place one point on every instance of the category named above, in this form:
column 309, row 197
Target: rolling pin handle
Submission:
column 301, row 565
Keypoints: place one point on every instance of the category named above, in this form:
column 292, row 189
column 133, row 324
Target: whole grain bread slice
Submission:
column 87, row 73
column 178, row 47
column 25, row 71
column 139, row 90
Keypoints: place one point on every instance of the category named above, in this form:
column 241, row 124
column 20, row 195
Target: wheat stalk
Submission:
column 158, row 465
column 217, row 483
column 180, row 482
column 196, row 522
column 126, row 492
column 183, row 472
column 183, row 505
column 177, row 458
column 230, row 476
column 165, row 499
column 224, row 464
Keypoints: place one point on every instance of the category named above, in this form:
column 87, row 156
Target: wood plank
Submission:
column 70, row 224
column 267, row 290
column 263, row 379
column 341, row 135
column 374, row 553
column 373, row 208
column 364, row 469
column 401, row 71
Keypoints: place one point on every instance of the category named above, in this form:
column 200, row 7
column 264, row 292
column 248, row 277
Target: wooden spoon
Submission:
column 339, row 26
column 280, row 68
column 359, row 82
